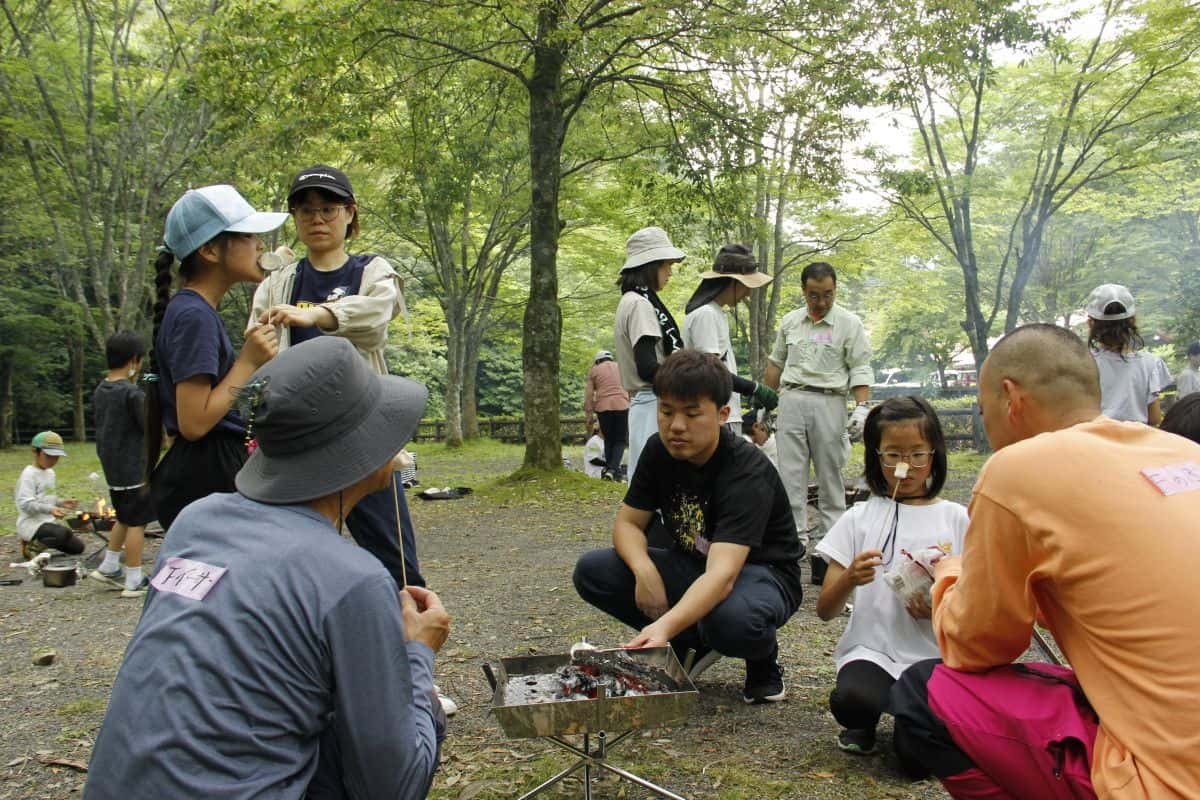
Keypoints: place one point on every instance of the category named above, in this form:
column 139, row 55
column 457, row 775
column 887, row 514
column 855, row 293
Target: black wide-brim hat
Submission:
column 324, row 421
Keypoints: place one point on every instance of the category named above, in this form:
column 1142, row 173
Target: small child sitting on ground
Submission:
column 38, row 505
column 757, row 428
column 905, row 469
column 594, row 465
column 119, row 406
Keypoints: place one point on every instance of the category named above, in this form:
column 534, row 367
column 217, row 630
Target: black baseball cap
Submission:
column 322, row 177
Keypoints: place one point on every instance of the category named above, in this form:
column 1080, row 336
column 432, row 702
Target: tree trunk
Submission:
column 6, row 402
column 78, row 418
column 456, row 345
column 542, row 332
column 470, row 390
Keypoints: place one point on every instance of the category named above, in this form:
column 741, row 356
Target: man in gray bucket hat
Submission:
column 273, row 657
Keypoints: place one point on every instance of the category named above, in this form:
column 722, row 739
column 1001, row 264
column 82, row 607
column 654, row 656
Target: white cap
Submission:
column 1106, row 294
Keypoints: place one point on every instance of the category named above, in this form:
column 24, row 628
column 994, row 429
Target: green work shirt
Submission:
column 832, row 353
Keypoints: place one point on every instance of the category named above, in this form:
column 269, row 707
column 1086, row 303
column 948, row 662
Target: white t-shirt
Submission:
column 707, row 330
column 770, row 450
column 1128, row 384
column 880, row 629
column 635, row 318
column 36, row 499
column 593, row 448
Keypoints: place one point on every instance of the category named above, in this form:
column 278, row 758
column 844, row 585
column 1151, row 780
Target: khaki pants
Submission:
column 812, row 430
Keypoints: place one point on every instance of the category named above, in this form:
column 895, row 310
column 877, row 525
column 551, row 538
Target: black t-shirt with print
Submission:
column 314, row 287
column 736, row 497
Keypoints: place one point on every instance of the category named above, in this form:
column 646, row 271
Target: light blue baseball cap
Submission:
column 201, row 214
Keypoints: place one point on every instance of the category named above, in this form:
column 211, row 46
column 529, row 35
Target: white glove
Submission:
column 857, row 418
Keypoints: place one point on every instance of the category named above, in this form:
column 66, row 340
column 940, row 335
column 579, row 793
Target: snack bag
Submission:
column 912, row 574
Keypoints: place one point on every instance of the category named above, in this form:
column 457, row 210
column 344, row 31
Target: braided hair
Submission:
column 189, row 266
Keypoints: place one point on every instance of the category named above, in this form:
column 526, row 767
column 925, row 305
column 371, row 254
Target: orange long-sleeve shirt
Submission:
column 1066, row 525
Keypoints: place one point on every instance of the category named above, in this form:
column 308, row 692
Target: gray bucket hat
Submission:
column 650, row 244
column 323, row 421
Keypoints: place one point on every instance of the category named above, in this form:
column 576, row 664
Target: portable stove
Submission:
column 553, row 696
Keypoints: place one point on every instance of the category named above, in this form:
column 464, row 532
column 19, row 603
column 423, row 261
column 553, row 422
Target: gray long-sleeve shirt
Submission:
column 299, row 640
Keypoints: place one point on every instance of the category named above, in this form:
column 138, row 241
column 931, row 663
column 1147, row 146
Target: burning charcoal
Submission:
column 627, row 670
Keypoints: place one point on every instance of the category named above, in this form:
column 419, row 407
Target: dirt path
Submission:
column 502, row 560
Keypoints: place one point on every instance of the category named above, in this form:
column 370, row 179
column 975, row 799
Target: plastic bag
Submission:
column 911, row 575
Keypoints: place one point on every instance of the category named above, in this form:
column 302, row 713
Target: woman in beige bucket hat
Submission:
column 644, row 333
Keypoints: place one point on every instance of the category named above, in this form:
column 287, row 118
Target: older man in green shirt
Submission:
column 820, row 353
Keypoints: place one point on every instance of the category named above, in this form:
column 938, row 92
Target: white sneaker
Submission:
column 448, row 706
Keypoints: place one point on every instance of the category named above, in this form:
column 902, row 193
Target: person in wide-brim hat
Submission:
column 734, row 275
column 324, row 421
column 270, row 629
column 644, row 331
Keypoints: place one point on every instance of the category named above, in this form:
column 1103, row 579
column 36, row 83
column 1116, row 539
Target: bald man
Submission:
column 1090, row 526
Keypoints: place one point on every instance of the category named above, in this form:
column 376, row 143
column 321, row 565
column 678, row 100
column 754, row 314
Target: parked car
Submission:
column 897, row 379
column 955, row 379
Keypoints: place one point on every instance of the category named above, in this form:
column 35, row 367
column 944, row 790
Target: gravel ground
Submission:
column 501, row 559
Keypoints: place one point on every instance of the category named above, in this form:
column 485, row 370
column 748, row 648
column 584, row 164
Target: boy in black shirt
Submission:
column 731, row 576
column 120, row 409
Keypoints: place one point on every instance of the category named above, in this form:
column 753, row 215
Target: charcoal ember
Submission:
column 627, row 670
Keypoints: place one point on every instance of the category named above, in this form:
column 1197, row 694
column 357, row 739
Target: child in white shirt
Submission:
column 38, row 505
column 904, row 515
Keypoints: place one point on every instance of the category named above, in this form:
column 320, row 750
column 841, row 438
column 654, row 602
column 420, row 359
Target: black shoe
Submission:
column 860, row 742
column 818, row 565
column 764, row 681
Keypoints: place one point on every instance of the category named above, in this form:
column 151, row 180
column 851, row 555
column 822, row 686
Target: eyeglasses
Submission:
column 309, row 213
column 916, row 459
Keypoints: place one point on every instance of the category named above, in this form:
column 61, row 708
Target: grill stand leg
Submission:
column 598, row 758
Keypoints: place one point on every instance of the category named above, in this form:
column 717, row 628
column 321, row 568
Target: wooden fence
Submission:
column 956, row 423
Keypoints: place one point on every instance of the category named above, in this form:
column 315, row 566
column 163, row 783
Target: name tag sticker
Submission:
column 187, row 578
column 1174, row 478
column 823, row 336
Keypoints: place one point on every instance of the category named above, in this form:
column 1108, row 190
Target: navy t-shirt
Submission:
column 192, row 341
column 736, row 497
column 313, row 286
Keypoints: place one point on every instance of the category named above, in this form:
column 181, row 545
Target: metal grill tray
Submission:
column 613, row 714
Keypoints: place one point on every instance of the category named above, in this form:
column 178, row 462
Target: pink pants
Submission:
column 1027, row 728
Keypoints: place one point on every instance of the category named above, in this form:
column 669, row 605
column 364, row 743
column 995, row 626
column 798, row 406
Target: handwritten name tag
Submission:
column 822, row 336
column 1175, row 478
column 187, row 578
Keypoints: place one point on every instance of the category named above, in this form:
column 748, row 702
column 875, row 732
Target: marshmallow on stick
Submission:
column 901, row 470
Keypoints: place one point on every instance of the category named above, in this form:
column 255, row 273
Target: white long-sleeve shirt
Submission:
column 36, row 497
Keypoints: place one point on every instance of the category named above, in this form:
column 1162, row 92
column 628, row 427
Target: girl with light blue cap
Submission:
column 213, row 232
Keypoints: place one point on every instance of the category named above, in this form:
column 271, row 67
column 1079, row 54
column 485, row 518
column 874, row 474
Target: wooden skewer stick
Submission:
column 399, row 533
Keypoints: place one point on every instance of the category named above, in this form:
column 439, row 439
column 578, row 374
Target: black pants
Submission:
column 373, row 524
column 58, row 537
column 614, row 426
column 743, row 625
column 192, row 470
column 861, row 696
column 922, row 742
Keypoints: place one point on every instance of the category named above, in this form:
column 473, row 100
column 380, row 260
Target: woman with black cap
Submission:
column 332, row 292
column 733, row 276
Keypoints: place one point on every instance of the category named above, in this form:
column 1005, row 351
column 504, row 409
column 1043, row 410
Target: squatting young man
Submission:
column 731, row 576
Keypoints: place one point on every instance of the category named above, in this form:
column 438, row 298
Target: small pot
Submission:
column 57, row 576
